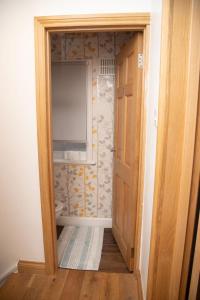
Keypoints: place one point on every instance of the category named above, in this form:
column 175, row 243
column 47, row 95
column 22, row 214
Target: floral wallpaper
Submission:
column 86, row 190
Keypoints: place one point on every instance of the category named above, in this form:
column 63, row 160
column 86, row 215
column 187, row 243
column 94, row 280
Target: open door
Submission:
column 127, row 145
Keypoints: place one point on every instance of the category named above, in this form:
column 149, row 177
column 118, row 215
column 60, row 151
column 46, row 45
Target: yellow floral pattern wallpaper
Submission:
column 86, row 190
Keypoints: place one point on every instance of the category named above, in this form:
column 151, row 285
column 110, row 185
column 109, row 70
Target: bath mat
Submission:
column 80, row 247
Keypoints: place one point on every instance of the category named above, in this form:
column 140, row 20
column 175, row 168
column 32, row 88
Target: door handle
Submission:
column 112, row 150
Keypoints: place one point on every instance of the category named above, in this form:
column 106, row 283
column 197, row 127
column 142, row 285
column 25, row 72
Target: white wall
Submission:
column 20, row 214
column 151, row 136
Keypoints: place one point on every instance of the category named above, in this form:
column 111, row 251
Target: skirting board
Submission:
column 84, row 221
column 31, row 267
column 9, row 271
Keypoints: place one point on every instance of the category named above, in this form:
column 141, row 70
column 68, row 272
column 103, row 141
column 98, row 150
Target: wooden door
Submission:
column 127, row 146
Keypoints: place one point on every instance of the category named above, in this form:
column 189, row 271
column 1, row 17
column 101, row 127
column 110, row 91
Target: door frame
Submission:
column 178, row 105
column 192, row 211
column 82, row 23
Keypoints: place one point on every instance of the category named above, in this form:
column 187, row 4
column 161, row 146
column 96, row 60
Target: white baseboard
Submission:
column 84, row 221
column 6, row 273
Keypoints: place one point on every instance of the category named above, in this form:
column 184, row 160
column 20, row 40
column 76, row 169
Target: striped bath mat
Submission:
column 80, row 247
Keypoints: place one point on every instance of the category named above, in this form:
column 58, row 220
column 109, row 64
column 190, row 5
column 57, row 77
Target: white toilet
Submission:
column 59, row 207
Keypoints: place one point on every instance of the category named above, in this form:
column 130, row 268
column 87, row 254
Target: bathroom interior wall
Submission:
column 86, row 190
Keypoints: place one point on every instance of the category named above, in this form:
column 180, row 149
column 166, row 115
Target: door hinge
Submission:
column 140, row 60
column 132, row 252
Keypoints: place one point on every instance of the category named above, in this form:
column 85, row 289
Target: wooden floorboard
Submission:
column 72, row 285
column 111, row 258
column 113, row 281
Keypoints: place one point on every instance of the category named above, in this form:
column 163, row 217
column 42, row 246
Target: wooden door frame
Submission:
column 179, row 79
column 82, row 23
column 192, row 208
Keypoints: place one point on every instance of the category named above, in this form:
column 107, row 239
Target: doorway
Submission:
column 129, row 248
column 92, row 172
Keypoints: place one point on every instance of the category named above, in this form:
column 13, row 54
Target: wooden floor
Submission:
column 113, row 281
column 71, row 285
column 111, row 258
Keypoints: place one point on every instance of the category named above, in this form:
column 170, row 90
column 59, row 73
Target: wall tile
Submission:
column 61, row 186
column 105, row 101
column 91, row 45
column 105, row 137
column 76, row 178
column 105, row 87
column 105, row 196
column 91, row 186
column 104, row 154
column 121, row 38
column 76, row 201
column 58, row 46
column 106, row 45
column 94, row 110
column 74, row 46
